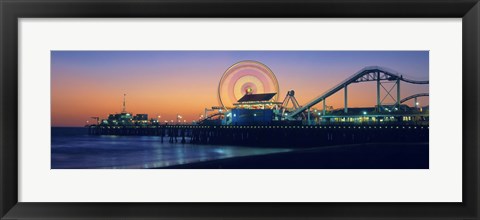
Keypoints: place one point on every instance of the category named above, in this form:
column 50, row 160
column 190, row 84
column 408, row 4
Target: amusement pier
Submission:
column 251, row 113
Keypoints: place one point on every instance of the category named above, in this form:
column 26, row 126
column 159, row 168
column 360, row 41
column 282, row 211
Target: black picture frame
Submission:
column 12, row 10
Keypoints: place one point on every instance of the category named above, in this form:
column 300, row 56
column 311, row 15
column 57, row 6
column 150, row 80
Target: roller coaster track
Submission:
column 413, row 96
column 369, row 73
column 210, row 117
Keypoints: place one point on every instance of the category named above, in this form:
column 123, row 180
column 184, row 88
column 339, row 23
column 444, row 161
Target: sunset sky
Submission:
column 166, row 83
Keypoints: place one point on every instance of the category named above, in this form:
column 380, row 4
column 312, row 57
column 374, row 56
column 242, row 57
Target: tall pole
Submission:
column 398, row 92
column 308, row 116
column 378, row 92
column 416, row 103
column 324, row 106
column 124, row 110
column 346, row 100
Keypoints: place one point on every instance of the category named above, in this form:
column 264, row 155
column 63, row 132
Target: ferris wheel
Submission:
column 246, row 77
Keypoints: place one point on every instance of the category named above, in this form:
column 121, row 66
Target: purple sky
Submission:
column 166, row 83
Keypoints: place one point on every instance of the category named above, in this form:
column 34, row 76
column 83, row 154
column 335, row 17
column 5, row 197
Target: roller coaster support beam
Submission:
column 398, row 92
column 378, row 92
column 308, row 116
column 324, row 106
column 346, row 100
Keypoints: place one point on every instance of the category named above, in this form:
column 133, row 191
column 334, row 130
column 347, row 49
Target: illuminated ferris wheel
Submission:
column 246, row 77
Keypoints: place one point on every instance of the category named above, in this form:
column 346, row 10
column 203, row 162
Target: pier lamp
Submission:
column 364, row 113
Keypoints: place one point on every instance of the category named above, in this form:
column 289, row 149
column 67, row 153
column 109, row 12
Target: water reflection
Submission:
column 80, row 151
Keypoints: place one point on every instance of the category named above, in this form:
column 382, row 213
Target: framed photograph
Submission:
column 225, row 109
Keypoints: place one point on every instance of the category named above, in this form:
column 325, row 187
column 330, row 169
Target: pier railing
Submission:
column 276, row 135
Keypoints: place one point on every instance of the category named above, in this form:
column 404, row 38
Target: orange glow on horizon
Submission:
column 80, row 91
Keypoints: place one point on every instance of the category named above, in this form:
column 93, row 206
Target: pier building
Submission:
column 124, row 118
column 252, row 109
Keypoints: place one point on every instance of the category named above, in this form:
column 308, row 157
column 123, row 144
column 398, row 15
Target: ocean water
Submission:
column 73, row 148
